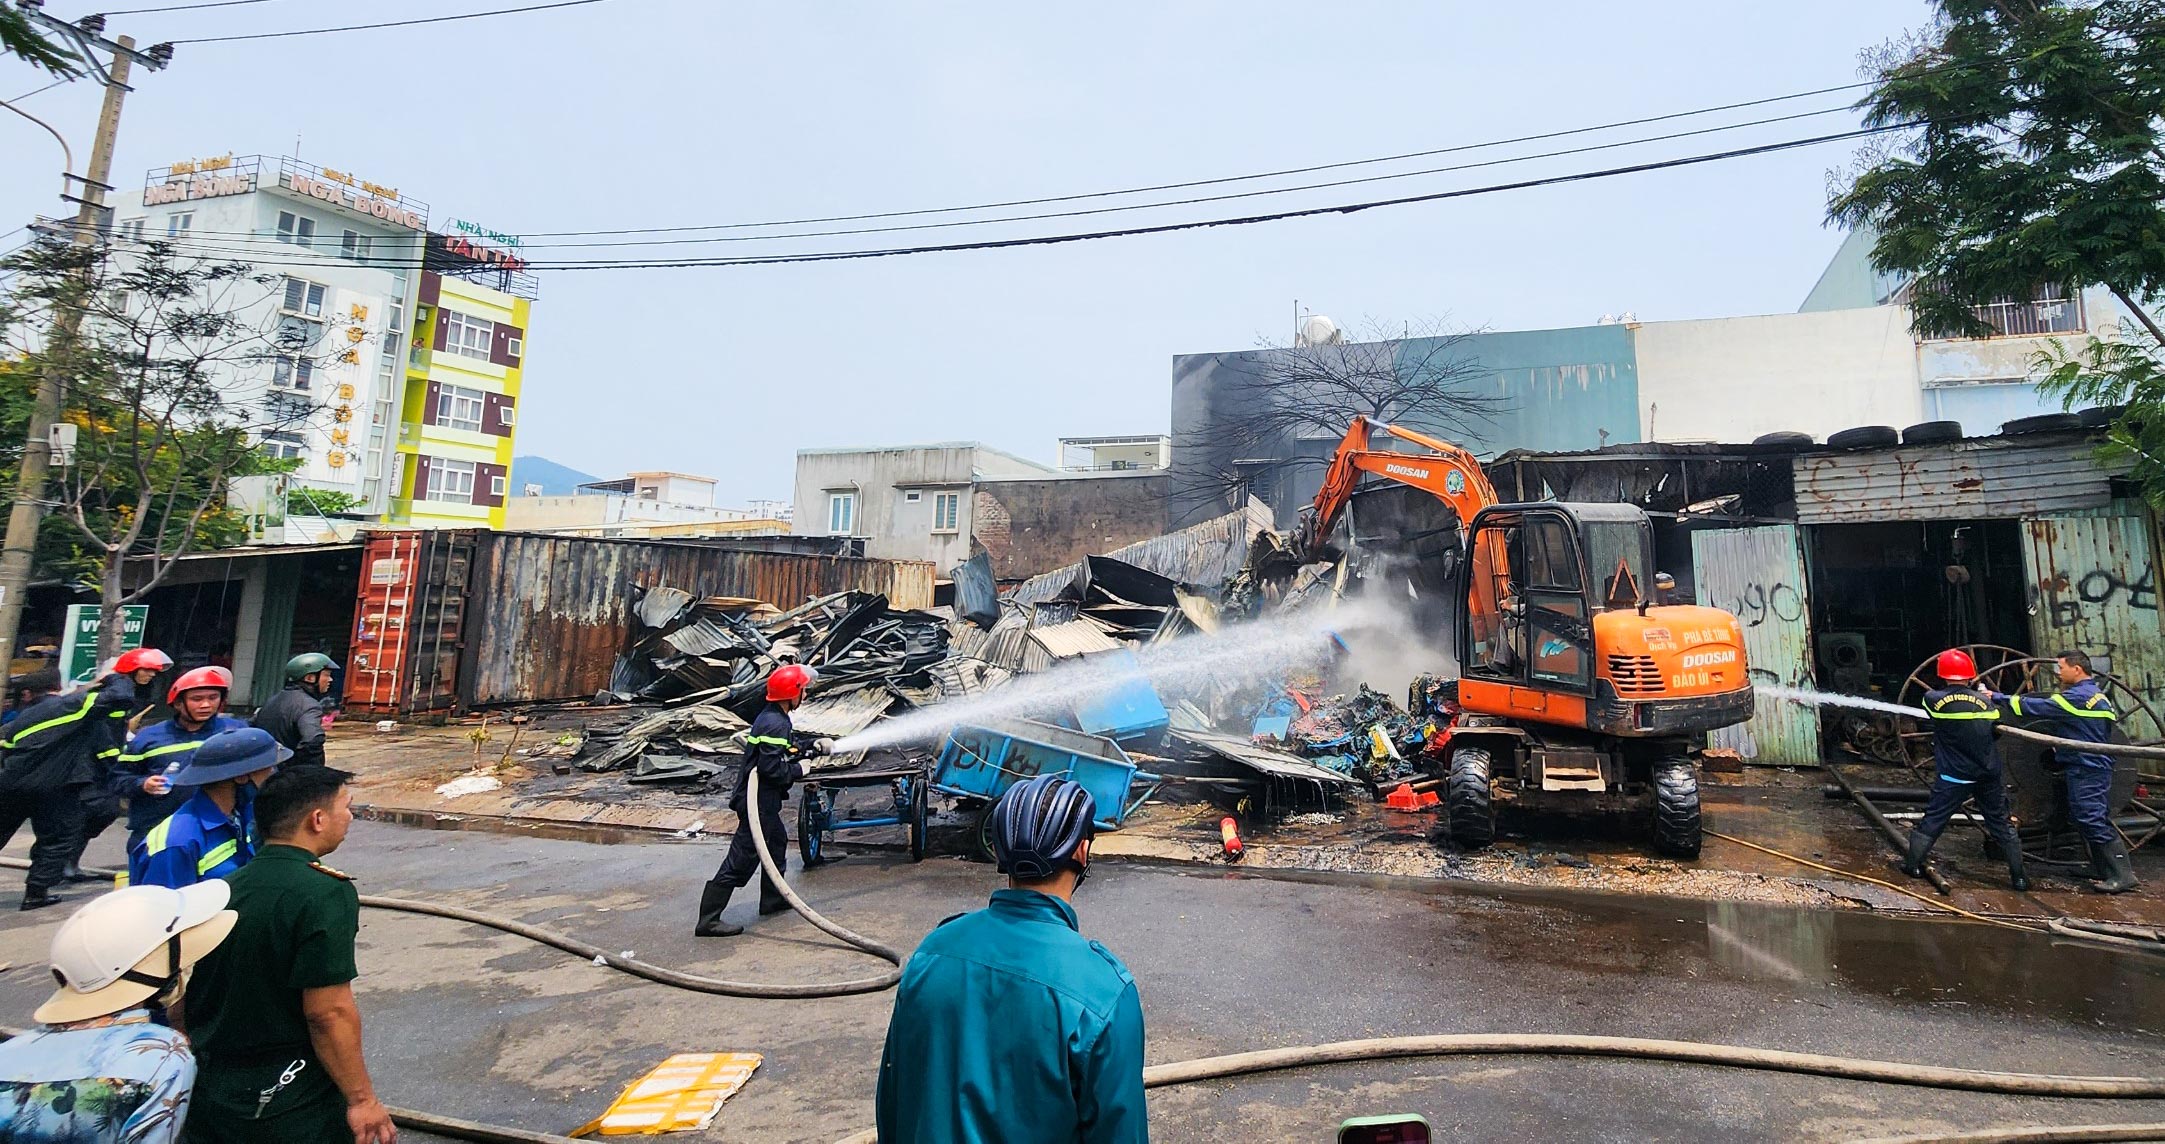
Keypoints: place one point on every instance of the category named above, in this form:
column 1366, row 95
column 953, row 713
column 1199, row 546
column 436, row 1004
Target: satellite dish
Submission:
column 1317, row 330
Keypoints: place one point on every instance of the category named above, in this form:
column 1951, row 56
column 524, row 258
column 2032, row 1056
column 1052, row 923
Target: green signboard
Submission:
column 79, row 647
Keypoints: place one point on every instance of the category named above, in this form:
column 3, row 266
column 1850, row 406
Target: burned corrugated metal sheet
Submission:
column 1074, row 638
column 548, row 614
column 2094, row 588
column 1207, row 555
column 836, row 716
column 1983, row 478
column 1758, row 574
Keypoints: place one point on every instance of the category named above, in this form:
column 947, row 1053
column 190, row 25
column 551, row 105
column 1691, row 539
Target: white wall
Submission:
column 1731, row 379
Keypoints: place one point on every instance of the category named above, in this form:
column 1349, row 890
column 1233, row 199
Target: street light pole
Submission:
column 23, row 516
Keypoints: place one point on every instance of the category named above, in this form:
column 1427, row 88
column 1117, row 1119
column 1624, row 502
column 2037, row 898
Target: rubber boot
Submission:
column 771, row 900
column 2119, row 872
column 39, row 899
column 1919, row 846
column 2017, row 877
column 74, row 873
column 713, row 899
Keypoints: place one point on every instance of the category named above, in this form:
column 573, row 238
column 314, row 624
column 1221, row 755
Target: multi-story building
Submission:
column 462, row 397
column 388, row 346
column 644, row 504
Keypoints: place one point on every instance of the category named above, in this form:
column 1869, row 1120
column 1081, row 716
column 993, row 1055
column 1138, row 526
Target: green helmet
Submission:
column 308, row 663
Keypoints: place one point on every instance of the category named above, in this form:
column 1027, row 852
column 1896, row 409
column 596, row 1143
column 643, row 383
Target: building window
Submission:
column 515, row 345
column 353, row 245
column 450, row 481
column 296, row 229
column 841, row 513
column 912, row 497
column 2051, row 309
column 179, row 223
column 132, row 230
column 285, row 446
column 293, row 372
column 497, row 484
column 287, row 411
column 467, row 336
column 458, row 407
column 946, row 512
column 304, row 297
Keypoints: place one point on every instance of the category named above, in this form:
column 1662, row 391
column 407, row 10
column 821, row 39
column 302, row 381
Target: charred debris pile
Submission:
column 1294, row 737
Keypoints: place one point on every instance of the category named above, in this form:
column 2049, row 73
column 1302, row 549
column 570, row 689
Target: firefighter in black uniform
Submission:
column 58, row 751
column 771, row 746
column 1968, row 763
column 294, row 716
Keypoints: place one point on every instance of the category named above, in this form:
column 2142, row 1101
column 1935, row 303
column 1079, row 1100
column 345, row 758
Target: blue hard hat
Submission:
column 1037, row 824
column 231, row 754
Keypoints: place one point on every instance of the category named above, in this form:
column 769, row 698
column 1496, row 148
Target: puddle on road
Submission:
column 1930, row 963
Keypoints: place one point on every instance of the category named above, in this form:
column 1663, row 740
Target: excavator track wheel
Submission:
column 1466, row 799
column 1676, row 809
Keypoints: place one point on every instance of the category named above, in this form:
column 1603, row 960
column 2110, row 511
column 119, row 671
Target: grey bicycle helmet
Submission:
column 1037, row 824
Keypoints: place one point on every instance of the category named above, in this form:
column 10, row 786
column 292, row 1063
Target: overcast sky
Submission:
column 648, row 113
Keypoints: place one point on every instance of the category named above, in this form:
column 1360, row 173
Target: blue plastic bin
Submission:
column 982, row 761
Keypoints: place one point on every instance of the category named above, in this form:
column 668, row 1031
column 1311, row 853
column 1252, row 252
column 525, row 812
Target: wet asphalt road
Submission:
column 484, row 1025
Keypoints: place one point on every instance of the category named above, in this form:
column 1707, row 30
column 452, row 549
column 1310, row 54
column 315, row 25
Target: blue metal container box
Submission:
column 982, row 761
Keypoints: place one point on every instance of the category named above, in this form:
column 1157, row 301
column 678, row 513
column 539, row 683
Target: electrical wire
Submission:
column 181, row 7
column 1198, row 200
column 1196, row 224
column 386, row 24
column 46, row 88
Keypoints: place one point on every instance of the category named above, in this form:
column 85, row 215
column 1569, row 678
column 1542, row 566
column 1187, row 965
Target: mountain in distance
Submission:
column 555, row 480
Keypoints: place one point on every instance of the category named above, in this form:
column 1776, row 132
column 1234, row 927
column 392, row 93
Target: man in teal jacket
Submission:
column 1009, row 1025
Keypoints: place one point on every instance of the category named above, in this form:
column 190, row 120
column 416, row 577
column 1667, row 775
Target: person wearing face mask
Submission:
column 100, row 1067
column 213, row 834
column 1009, row 1024
column 143, row 774
column 294, row 716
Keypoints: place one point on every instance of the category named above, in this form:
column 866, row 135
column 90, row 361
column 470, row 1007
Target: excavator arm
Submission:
column 1452, row 474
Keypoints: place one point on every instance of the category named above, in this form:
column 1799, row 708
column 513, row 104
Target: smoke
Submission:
column 1255, row 652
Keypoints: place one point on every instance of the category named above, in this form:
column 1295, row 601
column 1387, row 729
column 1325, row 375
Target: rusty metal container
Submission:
column 409, row 622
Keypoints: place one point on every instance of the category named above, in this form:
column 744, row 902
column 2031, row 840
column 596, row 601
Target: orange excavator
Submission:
column 1579, row 690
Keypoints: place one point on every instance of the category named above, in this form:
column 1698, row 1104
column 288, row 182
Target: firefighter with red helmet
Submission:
column 57, row 754
column 143, row 775
column 129, row 684
column 772, row 747
column 1967, row 761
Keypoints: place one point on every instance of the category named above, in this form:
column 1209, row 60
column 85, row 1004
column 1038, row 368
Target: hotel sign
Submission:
column 360, row 198
column 509, row 241
column 479, row 252
column 208, row 186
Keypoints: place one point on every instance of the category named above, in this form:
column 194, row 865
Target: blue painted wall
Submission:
column 1574, row 388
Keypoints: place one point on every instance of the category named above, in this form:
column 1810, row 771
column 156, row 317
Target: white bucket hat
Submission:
column 127, row 947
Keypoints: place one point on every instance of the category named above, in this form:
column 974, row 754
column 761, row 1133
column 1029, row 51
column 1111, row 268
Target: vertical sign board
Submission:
column 79, row 647
column 1758, row 574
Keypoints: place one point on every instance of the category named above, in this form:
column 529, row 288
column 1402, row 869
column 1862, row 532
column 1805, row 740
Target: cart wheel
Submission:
column 917, row 821
column 811, row 824
column 983, row 849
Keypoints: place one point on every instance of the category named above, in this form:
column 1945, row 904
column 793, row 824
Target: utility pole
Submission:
column 22, row 533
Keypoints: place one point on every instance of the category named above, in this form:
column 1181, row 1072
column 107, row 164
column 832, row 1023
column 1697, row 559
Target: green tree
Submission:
column 2034, row 154
column 18, row 38
column 165, row 385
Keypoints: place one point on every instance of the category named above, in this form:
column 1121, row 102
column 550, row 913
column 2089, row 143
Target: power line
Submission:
column 1197, row 224
column 182, row 7
column 1457, row 148
column 387, row 24
column 1181, row 186
column 1190, row 201
column 47, row 87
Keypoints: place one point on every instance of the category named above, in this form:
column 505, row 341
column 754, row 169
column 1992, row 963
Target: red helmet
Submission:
column 199, row 679
column 141, row 659
column 789, row 681
column 1956, row 666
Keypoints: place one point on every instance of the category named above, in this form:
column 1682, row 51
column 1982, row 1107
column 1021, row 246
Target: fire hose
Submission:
column 1272, row 1060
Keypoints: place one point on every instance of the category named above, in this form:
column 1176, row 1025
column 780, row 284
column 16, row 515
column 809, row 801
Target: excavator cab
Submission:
column 1580, row 689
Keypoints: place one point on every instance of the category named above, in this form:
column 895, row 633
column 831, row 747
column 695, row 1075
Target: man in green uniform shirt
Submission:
column 277, row 1035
